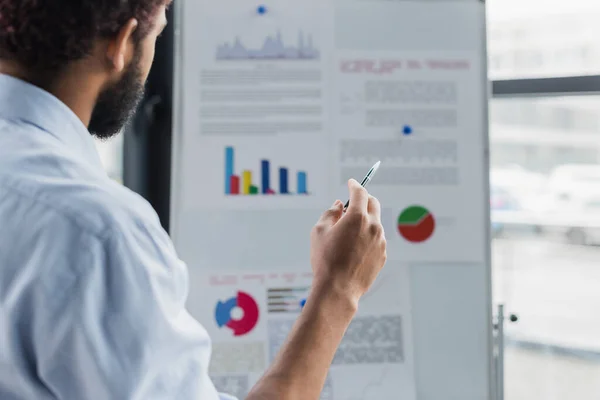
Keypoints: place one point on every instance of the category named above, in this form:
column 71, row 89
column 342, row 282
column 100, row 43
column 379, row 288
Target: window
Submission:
column 543, row 38
column 578, row 116
column 547, row 261
column 545, row 169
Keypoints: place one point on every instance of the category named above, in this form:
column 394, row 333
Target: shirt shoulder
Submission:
column 61, row 221
column 94, row 204
column 64, row 219
column 96, row 209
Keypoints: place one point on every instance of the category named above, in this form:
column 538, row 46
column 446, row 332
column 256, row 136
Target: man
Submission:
column 92, row 293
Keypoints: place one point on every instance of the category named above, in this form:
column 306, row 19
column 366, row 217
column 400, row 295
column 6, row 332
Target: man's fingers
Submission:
column 332, row 215
column 374, row 208
column 359, row 197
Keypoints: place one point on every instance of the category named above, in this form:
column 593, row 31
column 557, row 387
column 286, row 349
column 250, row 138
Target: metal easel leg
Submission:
column 500, row 353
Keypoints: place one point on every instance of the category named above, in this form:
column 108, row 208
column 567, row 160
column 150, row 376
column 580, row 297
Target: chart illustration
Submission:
column 286, row 299
column 273, row 48
column 416, row 224
column 243, row 324
column 244, row 184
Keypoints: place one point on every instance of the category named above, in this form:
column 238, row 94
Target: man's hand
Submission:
column 348, row 250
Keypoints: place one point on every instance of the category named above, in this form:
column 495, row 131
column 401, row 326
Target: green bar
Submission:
column 253, row 189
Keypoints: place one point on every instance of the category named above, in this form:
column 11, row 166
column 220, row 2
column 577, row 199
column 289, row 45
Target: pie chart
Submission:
column 243, row 325
column 416, row 224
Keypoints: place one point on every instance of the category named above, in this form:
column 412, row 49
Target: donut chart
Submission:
column 243, row 325
column 416, row 224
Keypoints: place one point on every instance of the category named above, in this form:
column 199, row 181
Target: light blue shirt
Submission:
column 92, row 293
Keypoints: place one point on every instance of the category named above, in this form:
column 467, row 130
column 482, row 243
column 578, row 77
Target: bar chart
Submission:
column 246, row 183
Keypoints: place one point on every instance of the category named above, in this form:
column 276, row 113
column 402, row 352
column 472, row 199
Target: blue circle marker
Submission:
column 262, row 9
column 302, row 303
column 407, row 130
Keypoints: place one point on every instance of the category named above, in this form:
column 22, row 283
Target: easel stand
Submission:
column 499, row 350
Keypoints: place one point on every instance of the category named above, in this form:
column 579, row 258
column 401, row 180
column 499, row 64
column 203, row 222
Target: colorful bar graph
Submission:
column 246, row 182
column 302, row 183
column 283, row 181
column 242, row 184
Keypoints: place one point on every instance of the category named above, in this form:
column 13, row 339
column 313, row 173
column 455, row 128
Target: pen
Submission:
column 367, row 178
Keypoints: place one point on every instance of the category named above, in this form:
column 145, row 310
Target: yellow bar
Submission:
column 247, row 182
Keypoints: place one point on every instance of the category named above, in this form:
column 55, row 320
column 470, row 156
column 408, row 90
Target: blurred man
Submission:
column 92, row 293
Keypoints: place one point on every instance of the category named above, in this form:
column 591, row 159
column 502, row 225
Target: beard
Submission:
column 117, row 104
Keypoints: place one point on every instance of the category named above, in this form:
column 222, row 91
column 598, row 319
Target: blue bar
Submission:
column 283, row 181
column 228, row 168
column 265, row 173
column 302, row 183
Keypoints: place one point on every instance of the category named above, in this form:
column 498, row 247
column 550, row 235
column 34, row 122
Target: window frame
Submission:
column 537, row 87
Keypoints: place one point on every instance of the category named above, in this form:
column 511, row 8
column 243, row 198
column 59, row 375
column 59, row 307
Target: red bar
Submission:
column 270, row 191
column 235, row 184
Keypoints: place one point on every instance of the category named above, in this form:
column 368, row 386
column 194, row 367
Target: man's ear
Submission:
column 120, row 48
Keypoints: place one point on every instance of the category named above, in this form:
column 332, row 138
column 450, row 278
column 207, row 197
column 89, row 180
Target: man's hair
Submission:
column 46, row 35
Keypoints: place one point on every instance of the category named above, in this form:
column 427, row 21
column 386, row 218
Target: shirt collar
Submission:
column 23, row 101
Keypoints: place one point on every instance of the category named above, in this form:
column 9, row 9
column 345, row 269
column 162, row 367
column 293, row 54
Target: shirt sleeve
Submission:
column 125, row 333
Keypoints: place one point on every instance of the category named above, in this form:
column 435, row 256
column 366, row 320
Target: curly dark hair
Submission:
column 46, row 35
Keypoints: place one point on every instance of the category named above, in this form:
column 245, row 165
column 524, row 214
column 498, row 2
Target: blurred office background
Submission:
column 544, row 61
